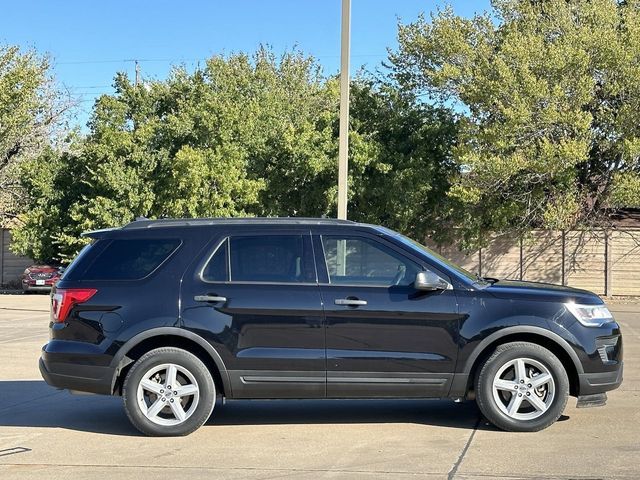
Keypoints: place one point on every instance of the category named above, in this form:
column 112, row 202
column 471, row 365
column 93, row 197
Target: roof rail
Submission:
column 179, row 222
column 95, row 233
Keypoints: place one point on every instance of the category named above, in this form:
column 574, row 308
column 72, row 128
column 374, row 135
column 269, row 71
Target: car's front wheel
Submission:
column 522, row 387
column 168, row 392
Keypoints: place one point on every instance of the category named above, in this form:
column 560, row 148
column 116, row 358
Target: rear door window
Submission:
column 217, row 270
column 263, row 258
column 271, row 258
column 130, row 259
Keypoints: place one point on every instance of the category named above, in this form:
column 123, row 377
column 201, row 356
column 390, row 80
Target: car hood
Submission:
column 42, row 269
column 514, row 289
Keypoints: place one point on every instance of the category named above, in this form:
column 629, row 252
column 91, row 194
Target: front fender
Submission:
column 519, row 329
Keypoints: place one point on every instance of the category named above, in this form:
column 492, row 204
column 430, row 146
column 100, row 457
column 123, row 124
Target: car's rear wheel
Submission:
column 168, row 392
column 522, row 387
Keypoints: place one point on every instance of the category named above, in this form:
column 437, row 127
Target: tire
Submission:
column 535, row 403
column 159, row 409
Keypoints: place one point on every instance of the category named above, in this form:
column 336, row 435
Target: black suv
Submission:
column 171, row 313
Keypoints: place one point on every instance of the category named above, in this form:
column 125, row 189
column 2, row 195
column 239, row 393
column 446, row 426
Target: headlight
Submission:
column 590, row 315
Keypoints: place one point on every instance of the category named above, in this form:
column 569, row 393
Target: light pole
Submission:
column 343, row 146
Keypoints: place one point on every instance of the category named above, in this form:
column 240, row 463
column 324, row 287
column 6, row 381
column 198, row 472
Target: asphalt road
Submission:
column 46, row 433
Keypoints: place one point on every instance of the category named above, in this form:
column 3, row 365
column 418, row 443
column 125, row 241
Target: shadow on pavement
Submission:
column 33, row 403
column 443, row 413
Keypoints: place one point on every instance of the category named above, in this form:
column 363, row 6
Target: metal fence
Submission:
column 604, row 261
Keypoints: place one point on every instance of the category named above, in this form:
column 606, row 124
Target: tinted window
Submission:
column 130, row 259
column 411, row 243
column 217, row 268
column 361, row 261
column 77, row 263
column 271, row 258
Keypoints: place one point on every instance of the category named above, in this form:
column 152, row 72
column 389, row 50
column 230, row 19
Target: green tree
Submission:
column 550, row 91
column 403, row 164
column 243, row 135
column 31, row 111
column 291, row 136
column 199, row 144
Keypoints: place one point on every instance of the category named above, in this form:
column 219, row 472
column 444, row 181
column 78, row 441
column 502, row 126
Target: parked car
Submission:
column 172, row 313
column 40, row 278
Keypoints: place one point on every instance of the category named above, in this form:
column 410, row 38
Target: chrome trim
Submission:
column 280, row 379
column 386, row 380
column 350, row 285
column 246, row 282
column 349, row 302
column 209, row 298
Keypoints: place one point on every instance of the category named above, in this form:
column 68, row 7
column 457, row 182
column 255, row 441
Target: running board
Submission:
column 595, row 400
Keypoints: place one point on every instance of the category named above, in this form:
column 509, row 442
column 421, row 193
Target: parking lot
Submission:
column 47, row 432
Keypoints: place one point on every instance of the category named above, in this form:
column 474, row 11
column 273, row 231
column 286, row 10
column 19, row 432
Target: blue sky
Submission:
column 90, row 41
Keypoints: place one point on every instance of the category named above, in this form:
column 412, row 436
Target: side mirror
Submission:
column 429, row 281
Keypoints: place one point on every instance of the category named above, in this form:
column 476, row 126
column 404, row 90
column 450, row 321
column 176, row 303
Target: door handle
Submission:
column 209, row 298
column 350, row 302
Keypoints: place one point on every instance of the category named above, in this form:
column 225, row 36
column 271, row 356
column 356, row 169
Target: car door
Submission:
column 255, row 298
column 383, row 337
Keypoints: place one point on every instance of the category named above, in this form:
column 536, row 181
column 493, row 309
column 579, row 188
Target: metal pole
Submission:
column 343, row 147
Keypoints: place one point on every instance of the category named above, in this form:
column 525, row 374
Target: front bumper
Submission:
column 36, row 288
column 76, row 372
column 591, row 383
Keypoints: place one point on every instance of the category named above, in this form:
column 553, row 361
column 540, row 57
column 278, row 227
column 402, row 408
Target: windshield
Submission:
column 421, row 248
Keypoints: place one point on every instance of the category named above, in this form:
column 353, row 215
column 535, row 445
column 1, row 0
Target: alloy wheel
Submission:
column 523, row 389
column 168, row 394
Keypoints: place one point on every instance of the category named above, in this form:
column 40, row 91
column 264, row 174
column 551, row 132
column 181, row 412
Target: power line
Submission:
column 126, row 60
column 149, row 60
column 90, row 86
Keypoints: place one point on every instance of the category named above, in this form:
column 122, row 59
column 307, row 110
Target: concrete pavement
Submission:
column 49, row 433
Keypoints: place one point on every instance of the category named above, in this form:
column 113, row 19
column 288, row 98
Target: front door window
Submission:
column 361, row 261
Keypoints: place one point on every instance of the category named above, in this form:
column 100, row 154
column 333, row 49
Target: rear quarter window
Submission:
column 130, row 259
column 76, row 264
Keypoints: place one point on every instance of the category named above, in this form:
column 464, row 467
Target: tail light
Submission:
column 66, row 298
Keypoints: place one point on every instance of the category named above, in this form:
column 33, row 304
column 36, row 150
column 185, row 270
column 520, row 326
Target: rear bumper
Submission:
column 591, row 383
column 80, row 374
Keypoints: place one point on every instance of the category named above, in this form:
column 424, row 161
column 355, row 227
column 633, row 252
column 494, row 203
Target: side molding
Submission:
column 120, row 357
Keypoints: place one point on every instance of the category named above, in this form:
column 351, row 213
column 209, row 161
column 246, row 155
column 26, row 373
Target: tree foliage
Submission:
column 242, row 135
column 30, row 111
column 405, row 166
column 550, row 91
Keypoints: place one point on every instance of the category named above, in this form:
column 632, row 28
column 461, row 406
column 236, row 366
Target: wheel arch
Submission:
column 169, row 337
column 545, row 338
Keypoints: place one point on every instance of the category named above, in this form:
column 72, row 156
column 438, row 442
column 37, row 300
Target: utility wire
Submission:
column 125, row 60
column 148, row 60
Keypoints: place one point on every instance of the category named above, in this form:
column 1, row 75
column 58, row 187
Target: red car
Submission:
column 40, row 278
